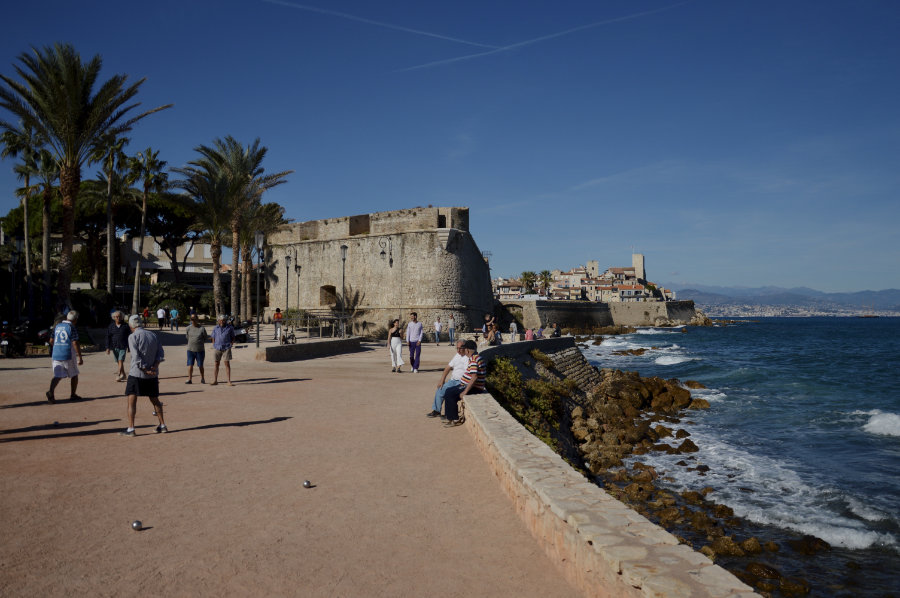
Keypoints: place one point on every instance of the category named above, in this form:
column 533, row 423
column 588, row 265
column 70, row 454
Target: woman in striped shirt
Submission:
column 472, row 382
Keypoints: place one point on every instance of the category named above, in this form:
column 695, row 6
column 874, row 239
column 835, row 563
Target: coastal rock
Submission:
column 763, row 570
column 793, row 586
column 726, row 546
column 771, row 546
column 662, row 431
column 699, row 404
column 682, row 434
column 751, row 546
column 809, row 545
column 709, row 552
column 693, row 384
column 687, row 447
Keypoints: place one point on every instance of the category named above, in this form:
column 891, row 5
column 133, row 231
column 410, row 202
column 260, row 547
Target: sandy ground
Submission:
column 400, row 506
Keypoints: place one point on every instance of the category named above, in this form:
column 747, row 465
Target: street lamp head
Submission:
column 344, row 252
column 287, row 261
column 260, row 239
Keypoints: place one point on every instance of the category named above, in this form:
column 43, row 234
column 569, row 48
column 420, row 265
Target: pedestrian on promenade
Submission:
column 513, row 332
column 529, row 334
column 223, row 338
column 456, row 368
column 196, row 350
column 395, row 346
column 437, row 331
column 414, row 340
column 173, row 319
column 451, row 329
column 117, row 341
column 472, row 382
column 161, row 317
column 64, row 349
column 146, row 314
column 143, row 376
column 277, row 318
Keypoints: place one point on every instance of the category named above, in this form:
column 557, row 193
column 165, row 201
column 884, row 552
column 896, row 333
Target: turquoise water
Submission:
column 803, row 432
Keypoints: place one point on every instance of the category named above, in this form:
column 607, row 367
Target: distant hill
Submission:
column 888, row 299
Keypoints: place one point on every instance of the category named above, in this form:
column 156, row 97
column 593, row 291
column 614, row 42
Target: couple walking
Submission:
column 413, row 339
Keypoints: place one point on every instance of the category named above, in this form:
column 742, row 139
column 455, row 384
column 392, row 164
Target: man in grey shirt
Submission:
column 143, row 376
column 196, row 351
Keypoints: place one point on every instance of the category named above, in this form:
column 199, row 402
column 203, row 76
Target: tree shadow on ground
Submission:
column 57, row 426
column 270, row 380
column 61, row 400
column 68, row 435
column 232, row 424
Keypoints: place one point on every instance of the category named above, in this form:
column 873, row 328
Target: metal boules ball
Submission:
column 137, row 526
column 307, row 484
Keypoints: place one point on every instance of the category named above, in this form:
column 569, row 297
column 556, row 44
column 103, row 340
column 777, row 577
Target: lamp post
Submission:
column 390, row 252
column 297, row 268
column 287, row 281
column 260, row 239
column 343, row 288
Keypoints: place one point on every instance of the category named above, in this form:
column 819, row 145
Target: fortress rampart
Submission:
column 421, row 259
column 534, row 314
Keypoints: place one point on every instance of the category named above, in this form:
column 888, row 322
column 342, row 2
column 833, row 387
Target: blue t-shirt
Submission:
column 63, row 335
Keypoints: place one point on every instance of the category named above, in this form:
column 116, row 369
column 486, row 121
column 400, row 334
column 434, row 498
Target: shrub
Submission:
column 542, row 358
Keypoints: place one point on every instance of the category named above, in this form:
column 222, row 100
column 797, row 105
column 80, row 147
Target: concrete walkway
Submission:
column 400, row 506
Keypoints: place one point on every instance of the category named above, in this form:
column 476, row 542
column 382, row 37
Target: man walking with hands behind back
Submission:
column 414, row 340
column 223, row 338
column 143, row 376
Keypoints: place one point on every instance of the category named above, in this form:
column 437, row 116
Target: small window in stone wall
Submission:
column 442, row 221
column 327, row 295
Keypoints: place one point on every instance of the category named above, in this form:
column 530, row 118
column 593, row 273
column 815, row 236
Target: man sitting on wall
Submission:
column 472, row 382
column 456, row 368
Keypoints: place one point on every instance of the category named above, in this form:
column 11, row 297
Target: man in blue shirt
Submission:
column 65, row 347
column 222, row 338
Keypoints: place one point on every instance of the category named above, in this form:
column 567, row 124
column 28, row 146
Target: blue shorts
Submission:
column 196, row 356
column 119, row 354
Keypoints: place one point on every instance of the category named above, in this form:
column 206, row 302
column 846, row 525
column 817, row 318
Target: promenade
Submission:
column 400, row 506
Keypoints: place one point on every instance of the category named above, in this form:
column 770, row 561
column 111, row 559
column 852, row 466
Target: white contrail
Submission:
column 344, row 15
column 535, row 40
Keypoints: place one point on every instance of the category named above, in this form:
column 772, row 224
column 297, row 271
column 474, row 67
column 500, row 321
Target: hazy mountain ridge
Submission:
column 888, row 299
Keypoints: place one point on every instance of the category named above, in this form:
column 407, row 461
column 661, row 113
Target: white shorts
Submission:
column 65, row 369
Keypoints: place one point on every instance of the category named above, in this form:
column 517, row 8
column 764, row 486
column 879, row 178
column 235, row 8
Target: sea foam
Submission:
column 883, row 424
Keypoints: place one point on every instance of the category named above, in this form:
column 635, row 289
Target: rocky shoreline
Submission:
column 602, row 420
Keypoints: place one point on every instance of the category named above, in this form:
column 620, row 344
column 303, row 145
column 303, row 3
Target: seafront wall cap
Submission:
column 470, row 345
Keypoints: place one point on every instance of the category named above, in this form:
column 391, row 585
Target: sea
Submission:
column 802, row 434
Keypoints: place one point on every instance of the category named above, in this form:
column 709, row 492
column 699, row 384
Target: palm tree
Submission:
column 48, row 173
column 242, row 166
column 207, row 186
column 528, row 279
column 108, row 151
column 264, row 218
column 23, row 140
column 545, row 278
column 56, row 97
column 149, row 169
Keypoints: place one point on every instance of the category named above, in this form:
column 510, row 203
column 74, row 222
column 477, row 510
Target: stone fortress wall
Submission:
column 420, row 259
column 534, row 314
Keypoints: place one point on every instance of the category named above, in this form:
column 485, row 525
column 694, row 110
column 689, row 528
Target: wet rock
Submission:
column 687, row 447
column 793, row 586
column 707, row 490
column 662, row 431
column 644, row 476
column 751, row 546
column 726, row 546
column 682, row 434
column 682, row 463
column 638, row 352
column 692, row 497
column 693, row 384
column 763, row 570
column 771, row 546
column 722, row 511
column 698, row 404
column 709, row 552
column 668, row 515
column 809, row 545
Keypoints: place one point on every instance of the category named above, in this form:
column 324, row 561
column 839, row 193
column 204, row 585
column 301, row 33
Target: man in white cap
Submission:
column 143, row 376
column 65, row 348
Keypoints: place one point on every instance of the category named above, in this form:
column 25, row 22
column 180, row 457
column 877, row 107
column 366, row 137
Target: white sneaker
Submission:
column 415, row 371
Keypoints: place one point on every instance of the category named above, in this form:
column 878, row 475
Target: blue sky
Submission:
column 733, row 143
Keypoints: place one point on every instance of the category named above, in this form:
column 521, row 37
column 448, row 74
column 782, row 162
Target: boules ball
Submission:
column 307, row 484
column 137, row 526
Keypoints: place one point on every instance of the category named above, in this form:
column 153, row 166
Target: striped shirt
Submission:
column 475, row 370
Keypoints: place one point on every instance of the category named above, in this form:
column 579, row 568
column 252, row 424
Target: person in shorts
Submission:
column 143, row 376
column 117, row 342
column 223, row 338
column 65, row 348
column 196, row 351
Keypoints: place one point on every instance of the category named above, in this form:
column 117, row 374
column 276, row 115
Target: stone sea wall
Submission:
column 589, row 314
column 601, row 545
